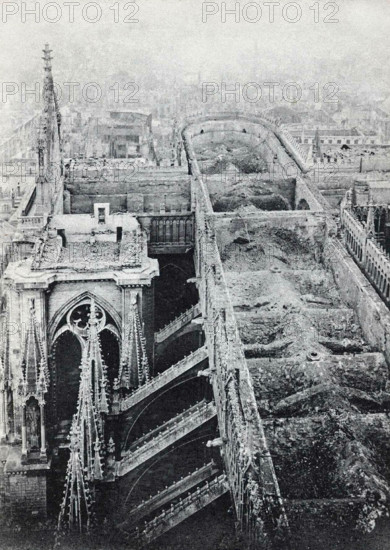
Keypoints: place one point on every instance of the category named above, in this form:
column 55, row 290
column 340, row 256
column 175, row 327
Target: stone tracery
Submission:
column 86, row 435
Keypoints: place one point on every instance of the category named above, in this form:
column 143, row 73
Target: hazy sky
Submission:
column 170, row 33
column 170, row 37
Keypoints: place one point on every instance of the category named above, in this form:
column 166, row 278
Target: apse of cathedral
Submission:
column 193, row 345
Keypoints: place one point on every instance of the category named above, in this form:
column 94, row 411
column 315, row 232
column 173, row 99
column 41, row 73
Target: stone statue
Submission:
column 33, row 427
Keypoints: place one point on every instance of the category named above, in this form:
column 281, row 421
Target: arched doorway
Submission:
column 67, row 358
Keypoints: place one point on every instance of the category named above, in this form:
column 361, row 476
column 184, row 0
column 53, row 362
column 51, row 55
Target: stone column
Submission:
column 125, row 308
column 43, row 430
column 40, row 309
column 24, row 431
column 3, row 417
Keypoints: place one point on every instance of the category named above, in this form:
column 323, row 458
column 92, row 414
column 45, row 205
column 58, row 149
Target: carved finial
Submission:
column 47, row 57
column 92, row 315
column 111, row 446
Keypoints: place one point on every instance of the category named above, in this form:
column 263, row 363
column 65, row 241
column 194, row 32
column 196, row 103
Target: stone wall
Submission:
column 253, row 134
column 27, row 493
column 132, row 202
column 141, row 191
column 306, row 191
column 278, row 139
column 357, row 292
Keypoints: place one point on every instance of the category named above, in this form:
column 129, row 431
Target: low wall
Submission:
column 308, row 192
column 27, row 494
column 132, row 202
column 357, row 292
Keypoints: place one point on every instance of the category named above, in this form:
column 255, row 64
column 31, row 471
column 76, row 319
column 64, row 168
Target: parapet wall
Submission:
column 308, row 193
column 132, row 202
column 357, row 292
column 244, row 123
column 136, row 192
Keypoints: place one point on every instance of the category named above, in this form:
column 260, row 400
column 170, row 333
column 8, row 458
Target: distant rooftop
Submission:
column 328, row 132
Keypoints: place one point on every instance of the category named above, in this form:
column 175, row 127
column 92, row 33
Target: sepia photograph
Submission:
column 194, row 275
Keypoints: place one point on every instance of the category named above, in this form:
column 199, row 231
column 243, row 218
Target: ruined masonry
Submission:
column 163, row 348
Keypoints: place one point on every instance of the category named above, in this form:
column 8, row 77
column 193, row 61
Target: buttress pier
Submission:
column 80, row 263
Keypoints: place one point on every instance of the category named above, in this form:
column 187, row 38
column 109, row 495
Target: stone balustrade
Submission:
column 183, row 509
column 177, row 323
column 172, row 230
column 369, row 255
column 177, row 488
column 33, row 222
column 160, row 438
column 162, row 379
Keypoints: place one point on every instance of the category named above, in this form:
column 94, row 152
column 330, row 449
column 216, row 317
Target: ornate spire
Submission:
column 50, row 116
column 48, row 91
column 4, row 350
column 134, row 367
column 96, row 364
column 77, row 504
column 317, row 145
column 86, row 421
column 86, row 457
column 48, row 86
column 35, row 375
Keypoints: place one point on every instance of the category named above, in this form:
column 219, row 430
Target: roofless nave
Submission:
column 169, row 359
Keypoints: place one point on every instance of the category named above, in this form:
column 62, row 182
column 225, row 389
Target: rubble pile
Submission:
column 321, row 389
